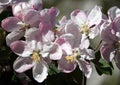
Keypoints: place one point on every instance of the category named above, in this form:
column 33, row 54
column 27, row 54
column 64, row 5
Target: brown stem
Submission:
column 84, row 80
column 98, row 46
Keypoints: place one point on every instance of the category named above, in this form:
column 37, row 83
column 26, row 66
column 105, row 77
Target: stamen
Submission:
column 23, row 25
column 36, row 57
column 73, row 57
column 70, row 58
column 85, row 29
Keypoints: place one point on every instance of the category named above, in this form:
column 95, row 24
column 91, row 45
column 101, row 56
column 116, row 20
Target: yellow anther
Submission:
column 36, row 57
column 85, row 29
column 70, row 58
column 23, row 25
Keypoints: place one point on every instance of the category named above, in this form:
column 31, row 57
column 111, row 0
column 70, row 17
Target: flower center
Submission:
column 73, row 57
column 36, row 57
column 23, row 25
column 84, row 28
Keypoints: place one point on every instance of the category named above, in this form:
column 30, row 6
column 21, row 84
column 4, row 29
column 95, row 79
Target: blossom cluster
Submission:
column 38, row 38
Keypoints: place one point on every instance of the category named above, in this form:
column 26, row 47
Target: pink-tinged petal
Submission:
column 66, row 46
column 106, row 34
column 66, row 66
column 60, row 41
column 45, row 27
column 72, row 28
column 79, row 17
column 107, row 52
column 63, row 21
column 10, row 24
column 117, row 59
column 74, row 13
column 22, row 64
column 32, row 17
column 40, row 71
column 95, row 16
column 84, row 42
column 14, row 36
column 33, row 34
column 113, row 12
column 36, row 4
column 116, row 24
column 55, row 52
column 48, row 37
column 33, row 45
column 20, row 48
column 19, row 8
column 69, row 38
column 85, row 67
column 53, row 13
column 45, row 16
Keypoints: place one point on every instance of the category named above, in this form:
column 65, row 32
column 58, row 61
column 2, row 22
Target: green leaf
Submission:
column 14, row 78
column 53, row 69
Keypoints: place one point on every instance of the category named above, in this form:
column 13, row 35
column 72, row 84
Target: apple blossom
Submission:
column 75, row 50
column 110, row 33
column 30, row 56
column 88, row 24
column 18, row 27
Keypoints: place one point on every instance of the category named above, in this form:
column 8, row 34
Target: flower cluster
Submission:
column 38, row 38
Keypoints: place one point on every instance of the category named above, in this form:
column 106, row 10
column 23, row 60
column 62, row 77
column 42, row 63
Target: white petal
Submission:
column 85, row 67
column 113, row 12
column 95, row 16
column 13, row 36
column 22, row 64
column 40, row 71
column 79, row 17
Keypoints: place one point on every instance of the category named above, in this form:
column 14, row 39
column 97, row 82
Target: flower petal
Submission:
column 72, row 28
column 66, row 66
column 22, row 64
column 94, row 32
column 14, row 36
column 79, row 17
column 19, row 8
column 55, row 52
column 87, row 54
column 33, row 34
column 85, row 67
column 106, row 33
column 48, row 37
column 65, row 46
column 45, row 27
column 3, row 2
column 40, row 71
column 95, row 16
column 116, row 24
column 113, row 12
column 32, row 17
column 36, row 4
column 10, row 24
column 84, row 42
column 107, row 52
column 20, row 48
column 53, row 14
